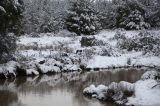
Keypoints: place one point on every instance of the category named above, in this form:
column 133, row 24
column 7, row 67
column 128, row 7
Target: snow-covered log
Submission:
column 96, row 92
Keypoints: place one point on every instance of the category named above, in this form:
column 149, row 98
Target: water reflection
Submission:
column 61, row 89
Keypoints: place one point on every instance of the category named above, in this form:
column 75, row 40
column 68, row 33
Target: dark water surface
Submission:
column 61, row 89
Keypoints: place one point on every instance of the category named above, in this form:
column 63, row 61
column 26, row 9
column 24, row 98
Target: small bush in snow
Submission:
column 99, row 43
column 108, row 50
column 19, row 57
column 63, row 48
column 145, row 41
column 87, row 41
column 119, row 35
column 129, row 61
column 88, row 53
column 105, row 52
column 91, row 41
column 128, row 44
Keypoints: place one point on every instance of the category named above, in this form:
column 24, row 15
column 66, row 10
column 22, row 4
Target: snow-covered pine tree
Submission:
column 10, row 12
column 131, row 16
column 82, row 18
column 106, row 13
column 11, row 15
column 136, row 21
column 153, row 12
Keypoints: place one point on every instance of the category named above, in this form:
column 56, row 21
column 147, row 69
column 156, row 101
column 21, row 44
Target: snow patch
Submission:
column 145, row 94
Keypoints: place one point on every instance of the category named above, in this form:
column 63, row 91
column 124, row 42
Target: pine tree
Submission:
column 131, row 16
column 106, row 13
column 135, row 21
column 10, row 12
column 10, row 19
column 153, row 12
column 82, row 19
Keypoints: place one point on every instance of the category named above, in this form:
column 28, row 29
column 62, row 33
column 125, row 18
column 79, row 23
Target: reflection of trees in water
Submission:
column 107, row 77
column 7, row 97
column 8, row 93
column 73, row 83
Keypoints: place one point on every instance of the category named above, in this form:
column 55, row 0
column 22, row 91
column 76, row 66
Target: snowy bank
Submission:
column 52, row 53
column 96, row 92
column 106, row 49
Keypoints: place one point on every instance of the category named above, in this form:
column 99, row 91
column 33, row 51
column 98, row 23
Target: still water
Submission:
column 61, row 89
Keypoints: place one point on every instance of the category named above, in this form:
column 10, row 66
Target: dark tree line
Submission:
column 88, row 16
column 10, row 15
column 80, row 16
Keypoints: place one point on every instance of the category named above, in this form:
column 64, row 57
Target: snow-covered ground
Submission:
column 45, row 46
column 145, row 94
column 107, row 62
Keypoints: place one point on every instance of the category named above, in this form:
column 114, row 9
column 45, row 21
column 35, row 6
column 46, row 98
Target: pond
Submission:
column 60, row 89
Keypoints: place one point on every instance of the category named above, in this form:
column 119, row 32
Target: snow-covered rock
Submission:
column 96, row 92
column 151, row 75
